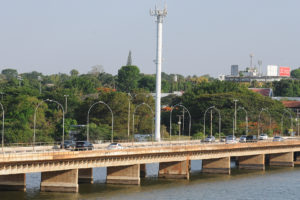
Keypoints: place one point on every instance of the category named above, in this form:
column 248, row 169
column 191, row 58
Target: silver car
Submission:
column 209, row 139
column 243, row 138
column 263, row 136
column 278, row 139
column 230, row 139
column 114, row 146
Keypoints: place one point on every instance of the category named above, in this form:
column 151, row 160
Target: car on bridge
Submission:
column 263, row 136
column 210, row 139
column 243, row 138
column 230, row 139
column 278, row 139
column 251, row 138
column 114, row 145
column 68, row 144
column 83, row 145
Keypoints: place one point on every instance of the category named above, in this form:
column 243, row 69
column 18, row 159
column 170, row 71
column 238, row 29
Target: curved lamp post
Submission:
column 2, row 126
column 246, row 119
column 214, row 108
column 34, row 123
column 267, row 111
column 190, row 117
column 88, row 120
column 291, row 117
column 134, row 115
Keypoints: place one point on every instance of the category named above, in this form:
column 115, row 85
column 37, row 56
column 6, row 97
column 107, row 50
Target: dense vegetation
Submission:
column 23, row 93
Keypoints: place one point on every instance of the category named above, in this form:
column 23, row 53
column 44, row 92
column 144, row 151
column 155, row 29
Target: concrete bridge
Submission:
column 62, row 170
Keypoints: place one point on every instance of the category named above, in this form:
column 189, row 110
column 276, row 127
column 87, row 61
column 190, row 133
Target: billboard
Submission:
column 285, row 71
column 272, row 70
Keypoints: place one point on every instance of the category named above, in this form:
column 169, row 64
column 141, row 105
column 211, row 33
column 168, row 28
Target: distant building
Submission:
column 272, row 70
column 268, row 92
column 293, row 105
column 255, row 78
column 221, row 77
column 234, row 70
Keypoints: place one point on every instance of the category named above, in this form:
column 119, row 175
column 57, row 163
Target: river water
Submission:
column 273, row 184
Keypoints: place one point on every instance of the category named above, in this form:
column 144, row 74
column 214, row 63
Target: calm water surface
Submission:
column 273, row 184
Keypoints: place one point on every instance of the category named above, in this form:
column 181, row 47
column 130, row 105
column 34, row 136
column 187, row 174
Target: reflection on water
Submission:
column 274, row 183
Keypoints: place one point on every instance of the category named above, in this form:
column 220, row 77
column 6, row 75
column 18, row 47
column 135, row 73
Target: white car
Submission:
column 243, row 138
column 231, row 139
column 263, row 136
column 114, row 146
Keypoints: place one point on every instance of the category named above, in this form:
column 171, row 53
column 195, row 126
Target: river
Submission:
column 273, row 184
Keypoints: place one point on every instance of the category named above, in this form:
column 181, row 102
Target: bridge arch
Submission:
column 34, row 120
column 147, row 105
column 220, row 118
column 190, row 117
column 88, row 120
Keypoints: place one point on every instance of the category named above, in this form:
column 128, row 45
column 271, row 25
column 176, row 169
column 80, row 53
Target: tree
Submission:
column 128, row 77
column 295, row 73
column 147, row 82
column 74, row 72
column 129, row 59
column 10, row 73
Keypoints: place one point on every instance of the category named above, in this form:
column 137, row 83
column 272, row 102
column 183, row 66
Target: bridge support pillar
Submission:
column 256, row 162
column 282, row 159
column 127, row 175
column 60, row 181
column 85, row 175
column 14, row 182
column 216, row 166
column 175, row 170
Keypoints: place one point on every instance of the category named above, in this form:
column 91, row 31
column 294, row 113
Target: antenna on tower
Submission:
column 259, row 68
column 251, row 57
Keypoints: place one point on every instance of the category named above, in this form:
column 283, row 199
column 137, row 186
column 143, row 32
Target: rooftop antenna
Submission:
column 259, row 67
column 251, row 57
column 159, row 14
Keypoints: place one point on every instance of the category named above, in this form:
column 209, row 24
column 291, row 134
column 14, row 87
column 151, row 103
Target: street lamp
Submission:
column 134, row 115
column 88, row 120
column 246, row 119
column 267, row 111
column 66, row 102
column 291, row 117
column 190, row 118
column 220, row 119
column 34, row 123
column 235, row 101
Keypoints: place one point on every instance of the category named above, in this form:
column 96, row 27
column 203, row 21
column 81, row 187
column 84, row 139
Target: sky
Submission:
column 199, row 37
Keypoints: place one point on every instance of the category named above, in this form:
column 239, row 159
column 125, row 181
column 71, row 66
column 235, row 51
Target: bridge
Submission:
column 62, row 170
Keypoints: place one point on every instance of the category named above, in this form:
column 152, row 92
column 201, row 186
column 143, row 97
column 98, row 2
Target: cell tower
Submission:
column 251, row 57
column 159, row 14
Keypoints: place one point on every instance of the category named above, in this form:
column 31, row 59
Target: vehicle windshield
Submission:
column 114, row 144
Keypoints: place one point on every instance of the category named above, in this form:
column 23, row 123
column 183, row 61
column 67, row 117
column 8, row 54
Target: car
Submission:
column 114, row 146
column 243, row 138
column 68, row 144
column 278, row 139
column 263, row 136
column 251, row 138
column 230, row 139
column 210, row 139
column 83, row 145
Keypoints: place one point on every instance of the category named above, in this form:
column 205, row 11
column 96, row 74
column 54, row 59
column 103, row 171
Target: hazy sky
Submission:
column 199, row 37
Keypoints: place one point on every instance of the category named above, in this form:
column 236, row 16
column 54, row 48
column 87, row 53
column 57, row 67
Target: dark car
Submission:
column 251, row 138
column 83, row 145
column 68, row 144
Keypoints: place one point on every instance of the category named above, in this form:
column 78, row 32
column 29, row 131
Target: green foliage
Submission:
column 295, row 73
column 128, row 77
column 96, row 133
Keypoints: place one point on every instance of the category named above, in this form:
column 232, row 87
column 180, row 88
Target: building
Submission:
column 234, row 70
column 268, row 92
column 293, row 105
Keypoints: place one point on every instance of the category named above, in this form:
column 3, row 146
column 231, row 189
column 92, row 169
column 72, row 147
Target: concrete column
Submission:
column 128, row 175
column 282, row 159
column 60, row 181
column 216, row 166
column 14, row 182
column 252, row 162
column 85, row 175
column 175, row 170
column 297, row 158
column 143, row 172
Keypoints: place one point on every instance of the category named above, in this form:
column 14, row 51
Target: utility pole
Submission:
column 298, row 121
column 183, row 111
column 159, row 14
column 235, row 100
column 179, row 123
column 66, row 103
column 211, row 118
